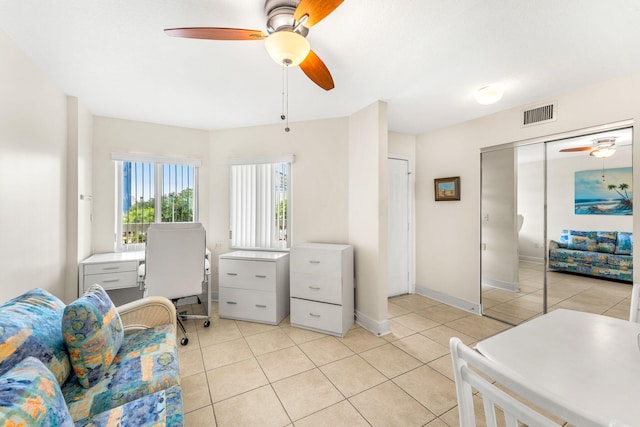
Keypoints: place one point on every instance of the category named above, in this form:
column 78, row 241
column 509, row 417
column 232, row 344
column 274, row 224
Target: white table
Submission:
column 590, row 360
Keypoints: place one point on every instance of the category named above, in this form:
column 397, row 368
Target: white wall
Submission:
column 116, row 135
column 319, row 177
column 32, row 177
column 447, row 234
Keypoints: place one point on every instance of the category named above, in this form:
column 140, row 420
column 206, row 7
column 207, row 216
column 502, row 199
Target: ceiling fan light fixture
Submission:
column 287, row 47
column 603, row 153
column 489, row 94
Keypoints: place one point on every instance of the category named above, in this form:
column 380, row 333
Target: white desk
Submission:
column 590, row 360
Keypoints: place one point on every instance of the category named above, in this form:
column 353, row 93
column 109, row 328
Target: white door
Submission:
column 399, row 226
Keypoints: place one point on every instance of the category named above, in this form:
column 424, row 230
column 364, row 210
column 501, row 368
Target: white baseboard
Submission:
column 507, row 286
column 378, row 328
column 532, row 259
column 449, row 300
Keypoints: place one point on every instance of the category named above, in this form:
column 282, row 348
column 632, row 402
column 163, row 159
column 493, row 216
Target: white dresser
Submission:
column 116, row 272
column 254, row 286
column 322, row 290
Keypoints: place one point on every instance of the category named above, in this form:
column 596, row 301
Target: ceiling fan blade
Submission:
column 315, row 69
column 567, row 150
column 317, row 10
column 216, row 33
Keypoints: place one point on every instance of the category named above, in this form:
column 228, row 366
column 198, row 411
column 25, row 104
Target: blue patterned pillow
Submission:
column 93, row 333
column 30, row 326
column 30, row 396
column 607, row 241
column 582, row 240
column 625, row 243
column 563, row 241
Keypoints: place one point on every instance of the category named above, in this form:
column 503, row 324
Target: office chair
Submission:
column 175, row 266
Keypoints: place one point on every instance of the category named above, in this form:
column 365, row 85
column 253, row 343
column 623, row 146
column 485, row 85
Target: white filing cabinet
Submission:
column 116, row 272
column 254, row 286
column 322, row 287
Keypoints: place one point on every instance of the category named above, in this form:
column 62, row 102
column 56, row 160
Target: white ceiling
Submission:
column 423, row 57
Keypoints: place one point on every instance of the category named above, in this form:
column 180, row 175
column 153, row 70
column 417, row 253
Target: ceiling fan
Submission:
column 601, row 147
column 288, row 23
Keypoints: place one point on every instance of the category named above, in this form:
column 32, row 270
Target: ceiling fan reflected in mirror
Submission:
column 288, row 23
column 601, row 148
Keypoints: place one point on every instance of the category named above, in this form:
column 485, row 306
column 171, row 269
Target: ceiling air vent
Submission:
column 540, row 114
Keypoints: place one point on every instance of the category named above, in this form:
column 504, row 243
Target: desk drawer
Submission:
column 241, row 274
column 110, row 267
column 125, row 279
column 316, row 315
column 246, row 304
column 316, row 287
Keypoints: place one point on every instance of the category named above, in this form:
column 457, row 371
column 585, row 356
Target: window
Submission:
column 152, row 190
column 260, row 204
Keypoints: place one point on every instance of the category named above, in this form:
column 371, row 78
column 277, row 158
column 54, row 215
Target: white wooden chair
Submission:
column 468, row 365
column 634, row 312
column 175, row 265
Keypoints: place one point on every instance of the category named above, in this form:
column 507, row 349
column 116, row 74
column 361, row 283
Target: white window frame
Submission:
column 158, row 162
column 274, row 243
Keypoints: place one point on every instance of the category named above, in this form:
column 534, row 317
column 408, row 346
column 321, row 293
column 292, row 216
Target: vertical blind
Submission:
column 259, row 205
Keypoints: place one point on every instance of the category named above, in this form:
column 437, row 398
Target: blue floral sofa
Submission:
column 88, row 363
column 606, row 254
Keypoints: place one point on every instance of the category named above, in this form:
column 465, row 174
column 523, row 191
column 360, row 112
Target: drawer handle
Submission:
column 314, row 288
column 232, row 274
column 314, row 315
column 261, row 306
column 111, row 281
column 232, row 302
column 261, row 276
column 313, row 261
column 110, row 268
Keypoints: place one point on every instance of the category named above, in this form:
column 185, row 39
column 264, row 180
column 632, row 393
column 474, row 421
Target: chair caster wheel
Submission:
column 184, row 341
column 207, row 323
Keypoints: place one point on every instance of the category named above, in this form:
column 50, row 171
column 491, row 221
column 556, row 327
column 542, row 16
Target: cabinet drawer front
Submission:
column 316, row 261
column 125, row 279
column 316, row 287
column 110, row 267
column 247, row 304
column 316, row 315
column 258, row 275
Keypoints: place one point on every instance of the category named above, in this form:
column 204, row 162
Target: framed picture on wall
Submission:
column 447, row 188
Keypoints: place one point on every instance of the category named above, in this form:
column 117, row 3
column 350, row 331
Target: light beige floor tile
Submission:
column 341, row 414
column 306, row 393
column 259, row 407
column 267, row 342
column 390, row 360
column 394, row 310
column 442, row 313
column 440, row 395
column 202, row 417
column 252, row 328
column 397, row 331
column 325, row 350
column 439, row 423
column 284, row 363
column 352, row 375
column 444, row 366
column 359, row 340
column 387, row 405
column 477, row 326
column 234, row 379
column 415, row 322
column 442, row 334
column 300, row 335
column 191, row 362
column 195, row 392
column 225, row 353
column 421, row 347
column 220, row 331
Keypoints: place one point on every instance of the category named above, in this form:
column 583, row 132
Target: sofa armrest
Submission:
column 553, row 244
column 147, row 313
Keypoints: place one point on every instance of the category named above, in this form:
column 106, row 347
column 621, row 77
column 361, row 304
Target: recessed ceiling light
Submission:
column 489, row 94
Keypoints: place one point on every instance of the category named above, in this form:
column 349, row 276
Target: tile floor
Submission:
column 238, row 373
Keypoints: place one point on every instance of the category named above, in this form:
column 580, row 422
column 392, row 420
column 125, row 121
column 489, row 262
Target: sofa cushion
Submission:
column 30, row 396
column 93, row 332
column 563, row 241
column 625, row 243
column 623, row 262
column 146, row 363
column 163, row 407
column 582, row 240
column 606, row 241
column 30, row 326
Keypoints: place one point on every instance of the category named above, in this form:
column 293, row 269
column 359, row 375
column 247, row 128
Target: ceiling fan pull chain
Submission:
column 285, row 96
